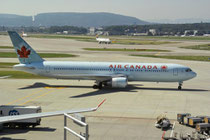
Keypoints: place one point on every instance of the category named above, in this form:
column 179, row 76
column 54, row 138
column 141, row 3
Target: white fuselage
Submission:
column 114, row 74
column 103, row 40
column 151, row 72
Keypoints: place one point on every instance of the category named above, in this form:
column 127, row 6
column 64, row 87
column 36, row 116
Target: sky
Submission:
column 142, row 9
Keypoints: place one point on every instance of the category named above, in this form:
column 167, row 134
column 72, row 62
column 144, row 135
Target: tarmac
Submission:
column 128, row 113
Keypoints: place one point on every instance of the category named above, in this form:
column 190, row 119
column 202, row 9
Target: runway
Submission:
column 127, row 113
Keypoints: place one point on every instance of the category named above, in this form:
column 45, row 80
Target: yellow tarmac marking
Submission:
column 22, row 98
column 54, row 87
column 36, row 97
column 19, row 99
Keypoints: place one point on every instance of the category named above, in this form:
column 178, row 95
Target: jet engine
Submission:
column 118, row 82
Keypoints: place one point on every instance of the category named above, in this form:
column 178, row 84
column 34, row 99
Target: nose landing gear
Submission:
column 180, row 85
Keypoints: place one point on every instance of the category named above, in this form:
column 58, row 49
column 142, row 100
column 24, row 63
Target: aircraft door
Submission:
column 47, row 69
column 175, row 72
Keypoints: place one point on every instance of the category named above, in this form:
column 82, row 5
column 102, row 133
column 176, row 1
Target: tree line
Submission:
column 48, row 30
column 161, row 29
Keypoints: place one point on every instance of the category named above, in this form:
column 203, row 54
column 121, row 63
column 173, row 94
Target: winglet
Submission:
column 99, row 104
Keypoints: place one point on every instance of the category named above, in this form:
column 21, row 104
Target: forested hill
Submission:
column 70, row 19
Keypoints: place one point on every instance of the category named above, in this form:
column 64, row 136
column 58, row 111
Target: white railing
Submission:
column 86, row 135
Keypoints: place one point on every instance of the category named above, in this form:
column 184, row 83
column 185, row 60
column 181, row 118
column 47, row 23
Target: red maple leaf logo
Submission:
column 164, row 67
column 24, row 53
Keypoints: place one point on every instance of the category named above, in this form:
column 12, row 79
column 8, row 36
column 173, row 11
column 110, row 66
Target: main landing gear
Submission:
column 98, row 85
column 180, row 85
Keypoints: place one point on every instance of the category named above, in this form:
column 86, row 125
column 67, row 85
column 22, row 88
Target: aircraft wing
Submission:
column 46, row 114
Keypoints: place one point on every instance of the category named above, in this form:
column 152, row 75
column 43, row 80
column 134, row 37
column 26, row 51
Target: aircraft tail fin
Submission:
column 24, row 51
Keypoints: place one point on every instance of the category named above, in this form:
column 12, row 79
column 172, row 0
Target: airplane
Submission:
column 6, row 119
column 114, row 74
column 24, row 34
column 103, row 40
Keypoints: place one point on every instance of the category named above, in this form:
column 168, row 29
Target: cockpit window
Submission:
column 188, row 70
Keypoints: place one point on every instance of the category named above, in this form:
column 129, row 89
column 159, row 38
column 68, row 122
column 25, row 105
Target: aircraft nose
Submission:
column 194, row 74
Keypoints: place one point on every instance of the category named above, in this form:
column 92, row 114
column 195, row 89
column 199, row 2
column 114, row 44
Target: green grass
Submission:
column 53, row 55
column 61, row 36
column 124, row 50
column 131, row 41
column 6, row 65
column 139, row 42
column 186, row 38
column 198, row 47
column 6, row 47
column 20, row 75
column 84, row 37
column 3, row 33
column 44, row 55
column 78, row 38
column 8, row 54
column 126, row 41
column 87, row 40
column 174, row 37
column 193, row 58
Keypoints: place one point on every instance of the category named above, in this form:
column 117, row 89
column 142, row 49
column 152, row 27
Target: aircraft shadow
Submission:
column 7, row 131
column 7, row 138
column 43, row 85
column 171, row 89
column 105, row 91
column 131, row 88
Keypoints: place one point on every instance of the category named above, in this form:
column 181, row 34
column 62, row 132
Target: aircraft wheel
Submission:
column 95, row 87
column 100, row 85
column 180, row 85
